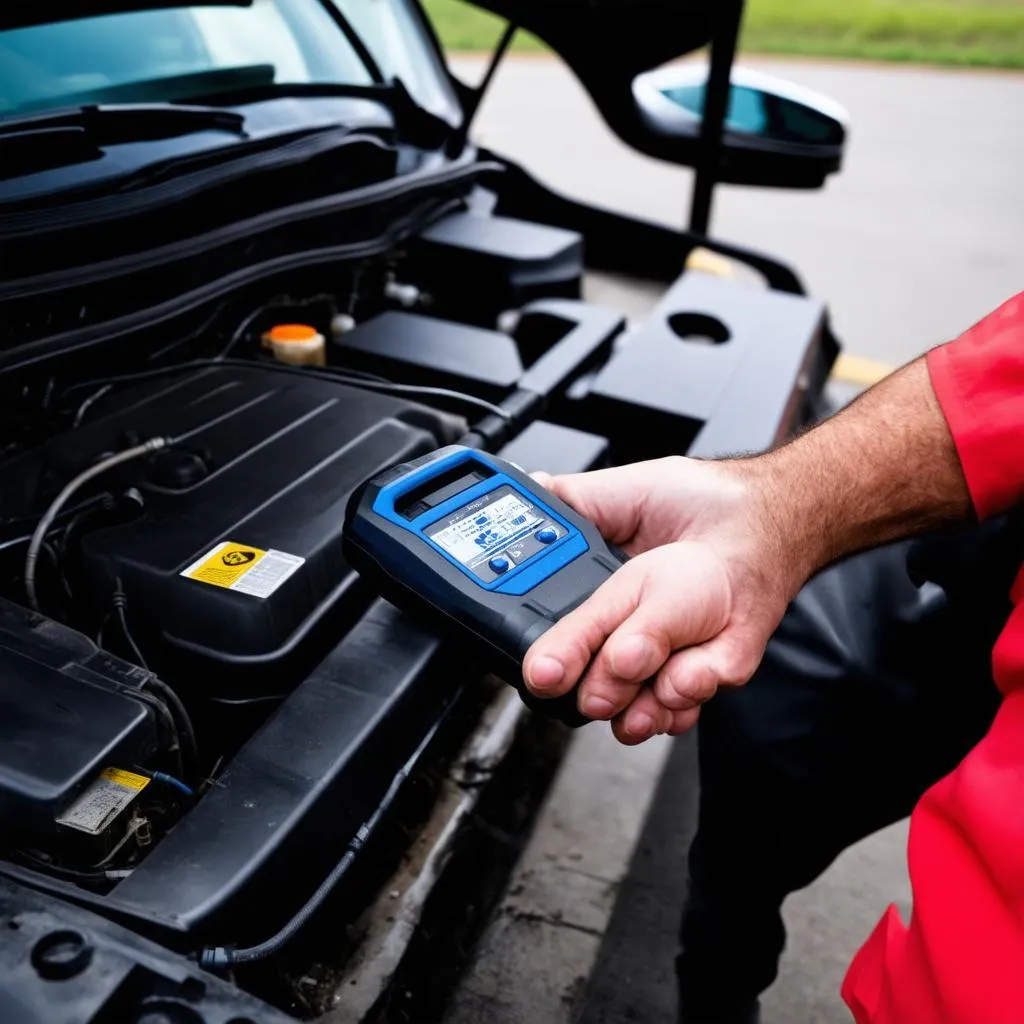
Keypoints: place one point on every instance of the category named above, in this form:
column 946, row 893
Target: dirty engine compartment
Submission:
column 235, row 784
column 227, row 706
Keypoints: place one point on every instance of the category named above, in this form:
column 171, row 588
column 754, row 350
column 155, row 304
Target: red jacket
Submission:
column 960, row 960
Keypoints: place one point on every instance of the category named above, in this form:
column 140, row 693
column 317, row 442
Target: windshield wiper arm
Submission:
column 100, row 125
column 416, row 123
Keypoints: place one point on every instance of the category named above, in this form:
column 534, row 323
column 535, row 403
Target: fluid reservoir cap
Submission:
column 291, row 334
column 297, row 344
column 176, row 469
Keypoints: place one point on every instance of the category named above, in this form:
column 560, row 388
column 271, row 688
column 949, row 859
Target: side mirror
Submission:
column 776, row 133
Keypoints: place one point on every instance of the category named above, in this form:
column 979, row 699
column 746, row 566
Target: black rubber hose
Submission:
column 164, row 713
column 186, row 734
column 122, row 619
column 224, row 956
column 183, row 724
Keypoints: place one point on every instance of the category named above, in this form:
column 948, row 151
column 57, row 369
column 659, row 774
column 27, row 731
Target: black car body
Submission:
column 191, row 766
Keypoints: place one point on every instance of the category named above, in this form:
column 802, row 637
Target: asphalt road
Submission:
column 921, row 234
column 918, row 237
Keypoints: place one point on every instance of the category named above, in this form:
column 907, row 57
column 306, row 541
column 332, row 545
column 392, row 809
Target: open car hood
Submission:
column 607, row 43
column 19, row 13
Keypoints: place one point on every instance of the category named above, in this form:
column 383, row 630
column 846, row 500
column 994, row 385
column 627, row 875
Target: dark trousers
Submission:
column 876, row 685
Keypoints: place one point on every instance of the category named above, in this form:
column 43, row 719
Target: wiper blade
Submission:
column 417, row 124
column 129, row 122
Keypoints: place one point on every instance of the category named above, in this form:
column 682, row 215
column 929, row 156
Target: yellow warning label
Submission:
column 225, row 565
column 245, row 569
column 127, row 779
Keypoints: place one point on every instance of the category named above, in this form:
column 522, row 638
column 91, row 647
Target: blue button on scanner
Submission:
column 499, row 564
column 547, row 535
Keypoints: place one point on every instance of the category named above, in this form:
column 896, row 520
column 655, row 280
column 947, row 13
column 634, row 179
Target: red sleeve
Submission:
column 960, row 958
column 979, row 381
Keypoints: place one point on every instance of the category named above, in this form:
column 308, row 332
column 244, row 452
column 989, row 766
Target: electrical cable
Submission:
column 174, row 783
column 198, row 332
column 122, row 621
column 352, row 377
column 240, row 330
column 70, row 874
column 41, row 530
column 127, row 378
column 167, row 780
column 182, row 722
column 224, row 956
column 69, row 515
column 422, row 389
column 133, row 828
column 152, row 699
column 186, row 733
column 163, row 712
column 88, row 403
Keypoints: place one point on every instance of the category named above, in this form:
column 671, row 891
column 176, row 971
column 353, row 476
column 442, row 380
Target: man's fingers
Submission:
column 669, row 598
column 554, row 664
column 644, row 718
column 683, row 600
column 647, row 717
column 687, row 680
column 691, row 677
column 683, row 721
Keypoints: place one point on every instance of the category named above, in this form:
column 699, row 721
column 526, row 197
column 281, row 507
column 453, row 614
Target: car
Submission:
column 251, row 256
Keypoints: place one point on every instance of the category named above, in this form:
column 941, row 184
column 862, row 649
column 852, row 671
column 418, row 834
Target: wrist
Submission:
column 883, row 469
column 782, row 517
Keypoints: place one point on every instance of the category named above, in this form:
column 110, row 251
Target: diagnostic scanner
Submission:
column 479, row 549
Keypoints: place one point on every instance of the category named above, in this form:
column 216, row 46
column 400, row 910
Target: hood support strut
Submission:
column 725, row 21
column 476, row 97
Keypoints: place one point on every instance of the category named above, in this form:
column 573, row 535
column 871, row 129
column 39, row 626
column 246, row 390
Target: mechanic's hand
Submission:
column 708, row 584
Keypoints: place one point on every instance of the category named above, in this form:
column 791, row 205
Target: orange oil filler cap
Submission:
column 296, row 344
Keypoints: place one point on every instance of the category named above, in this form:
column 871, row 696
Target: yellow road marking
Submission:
column 708, row 262
column 857, row 370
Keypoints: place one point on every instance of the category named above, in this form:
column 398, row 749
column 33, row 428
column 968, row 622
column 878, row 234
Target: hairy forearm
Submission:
column 883, row 468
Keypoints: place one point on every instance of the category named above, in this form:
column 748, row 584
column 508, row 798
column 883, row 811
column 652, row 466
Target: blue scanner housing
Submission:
column 481, row 552
column 539, row 563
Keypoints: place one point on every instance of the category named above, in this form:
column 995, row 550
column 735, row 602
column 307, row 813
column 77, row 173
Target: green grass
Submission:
column 978, row 33
column 464, row 27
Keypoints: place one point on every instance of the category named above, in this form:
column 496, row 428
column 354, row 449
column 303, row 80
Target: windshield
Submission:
column 394, row 34
column 171, row 54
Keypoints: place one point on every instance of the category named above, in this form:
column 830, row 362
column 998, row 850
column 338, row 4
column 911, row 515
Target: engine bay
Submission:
column 138, row 585
column 206, row 712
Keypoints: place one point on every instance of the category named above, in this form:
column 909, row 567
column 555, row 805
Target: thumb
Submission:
column 610, row 498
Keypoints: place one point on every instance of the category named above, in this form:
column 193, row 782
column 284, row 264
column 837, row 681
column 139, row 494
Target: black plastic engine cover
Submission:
column 435, row 352
column 265, row 461
column 252, row 850
column 67, row 711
